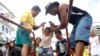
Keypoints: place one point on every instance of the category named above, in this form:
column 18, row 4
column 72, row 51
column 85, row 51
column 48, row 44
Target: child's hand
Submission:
column 43, row 24
column 51, row 23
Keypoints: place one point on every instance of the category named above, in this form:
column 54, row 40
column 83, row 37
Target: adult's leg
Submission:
column 25, row 50
column 79, row 48
column 82, row 35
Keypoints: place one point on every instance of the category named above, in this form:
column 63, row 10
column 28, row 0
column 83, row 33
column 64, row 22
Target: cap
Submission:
column 51, row 5
column 47, row 8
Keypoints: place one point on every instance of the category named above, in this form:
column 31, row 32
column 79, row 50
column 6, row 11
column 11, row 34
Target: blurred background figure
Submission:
column 5, row 49
column 94, row 47
column 13, row 51
column 35, row 47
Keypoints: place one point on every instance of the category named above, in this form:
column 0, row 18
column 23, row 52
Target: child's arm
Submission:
column 57, row 49
column 51, row 24
column 43, row 28
column 56, row 53
column 99, row 38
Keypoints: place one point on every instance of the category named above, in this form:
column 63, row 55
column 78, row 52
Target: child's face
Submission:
column 12, row 44
column 38, row 40
column 46, row 32
column 58, row 36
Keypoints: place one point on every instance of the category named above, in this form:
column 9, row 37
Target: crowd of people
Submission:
column 79, row 38
column 10, row 49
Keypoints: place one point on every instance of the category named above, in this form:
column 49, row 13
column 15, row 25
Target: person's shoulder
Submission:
column 63, row 6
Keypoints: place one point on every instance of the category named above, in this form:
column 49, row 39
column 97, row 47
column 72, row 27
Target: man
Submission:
column 28, row 22
column 61, row 45
column 79, row 18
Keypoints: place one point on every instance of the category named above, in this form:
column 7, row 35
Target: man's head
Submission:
column 35, row 10
column 58, row 34
column 47, row 31
column 52, row 8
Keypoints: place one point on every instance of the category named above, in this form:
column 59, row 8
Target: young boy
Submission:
column 61, row 45
column 22, row 35
column 46, row 42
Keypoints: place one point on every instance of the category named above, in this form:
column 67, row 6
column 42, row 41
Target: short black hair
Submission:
column 50, row 6
column 36, row 8
column 59, row 32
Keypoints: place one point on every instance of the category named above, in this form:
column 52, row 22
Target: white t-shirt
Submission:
column 5, row 51
column 46, row 41
column 95, row 45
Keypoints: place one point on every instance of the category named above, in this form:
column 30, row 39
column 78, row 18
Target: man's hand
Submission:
column 37, row 27
column 53, row 26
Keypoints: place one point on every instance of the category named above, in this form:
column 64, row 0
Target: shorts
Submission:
column 22, row 37
column 81, row 31
column 46, row 51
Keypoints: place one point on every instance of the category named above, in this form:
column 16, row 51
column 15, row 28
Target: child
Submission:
column 46, row 42
column 38, row 40
column 23, row 35
column 35, row 47
column 61, row 45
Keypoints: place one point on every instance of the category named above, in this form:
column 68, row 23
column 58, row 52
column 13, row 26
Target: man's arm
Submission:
column 37, row 27
column 63, row 15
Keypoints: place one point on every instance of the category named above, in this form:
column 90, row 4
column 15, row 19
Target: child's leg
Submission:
column 25, row 50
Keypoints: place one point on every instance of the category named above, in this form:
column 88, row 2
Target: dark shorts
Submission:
column 22, row 37
column 81, row 31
